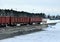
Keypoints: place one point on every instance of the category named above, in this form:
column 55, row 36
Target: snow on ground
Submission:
column 53, row 21
column 48, row 35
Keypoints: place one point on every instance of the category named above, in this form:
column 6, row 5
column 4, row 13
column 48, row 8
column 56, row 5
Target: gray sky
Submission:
column 46, row 6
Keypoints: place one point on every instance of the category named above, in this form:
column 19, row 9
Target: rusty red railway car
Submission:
column 15, row 20
column 3, row 20
column 35, row 19
column 23, row 20
column 7, row 19
column 12, row 20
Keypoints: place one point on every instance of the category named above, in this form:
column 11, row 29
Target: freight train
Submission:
column 12, row 18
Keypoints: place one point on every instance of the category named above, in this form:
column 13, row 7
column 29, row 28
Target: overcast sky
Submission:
column 37, row 6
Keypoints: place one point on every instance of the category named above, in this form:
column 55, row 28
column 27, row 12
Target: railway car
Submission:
column 2, row 21
column 7, row 20
column 35, row 20
column 23, row 20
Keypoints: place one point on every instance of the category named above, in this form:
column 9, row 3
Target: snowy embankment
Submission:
column 48, row 35
column 53, row 21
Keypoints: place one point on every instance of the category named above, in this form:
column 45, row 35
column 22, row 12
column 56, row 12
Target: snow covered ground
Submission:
column 53, row 21
column 51, row 34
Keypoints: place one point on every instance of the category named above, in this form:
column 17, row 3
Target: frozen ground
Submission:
column 51, row 34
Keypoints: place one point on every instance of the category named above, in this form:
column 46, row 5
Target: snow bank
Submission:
column 53, row 21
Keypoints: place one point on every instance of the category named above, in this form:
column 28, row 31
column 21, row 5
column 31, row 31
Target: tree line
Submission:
column 11, row 12
column 57, row 17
